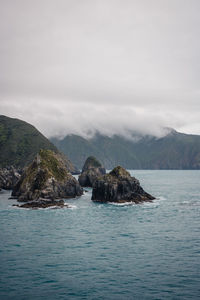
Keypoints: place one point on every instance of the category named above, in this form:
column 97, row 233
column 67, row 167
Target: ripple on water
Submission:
column 106, row 251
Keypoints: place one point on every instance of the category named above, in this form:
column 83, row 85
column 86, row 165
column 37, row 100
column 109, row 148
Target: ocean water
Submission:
column 106, row 251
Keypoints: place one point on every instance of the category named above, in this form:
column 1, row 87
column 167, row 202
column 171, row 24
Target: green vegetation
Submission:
column 51, row 162
column 20, row 142
column 47, row 164
column 119, row 172
column 116, row 175
column 174, row 151
column 91, row 162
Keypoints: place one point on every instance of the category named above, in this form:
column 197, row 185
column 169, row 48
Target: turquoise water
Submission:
column 99, row 251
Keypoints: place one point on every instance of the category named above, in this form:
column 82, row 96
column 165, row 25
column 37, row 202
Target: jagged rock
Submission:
column 47, row 178
column 43, row 203
column 92, row 169
column 9, row 177
column 119, row 186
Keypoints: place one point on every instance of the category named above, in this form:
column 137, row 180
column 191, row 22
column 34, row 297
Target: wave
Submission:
column 190, row 203
column 155, row 201
column 122, row 204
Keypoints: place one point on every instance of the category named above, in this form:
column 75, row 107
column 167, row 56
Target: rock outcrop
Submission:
column 43, row 203
column 119, row 186
column 46, row 178
column 9, row 177
column 92, row 169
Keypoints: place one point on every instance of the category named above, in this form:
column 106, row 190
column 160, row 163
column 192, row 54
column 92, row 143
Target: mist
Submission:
column 116, row 67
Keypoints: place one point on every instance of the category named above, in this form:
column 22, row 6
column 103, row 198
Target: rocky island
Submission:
column 92, row 169
column 45, row 180
column 118, row 186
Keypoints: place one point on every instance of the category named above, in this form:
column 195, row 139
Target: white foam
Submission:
column 154, row 202
column 71, row 206
column 122, row 204
column 11, row 206
column 161, row 198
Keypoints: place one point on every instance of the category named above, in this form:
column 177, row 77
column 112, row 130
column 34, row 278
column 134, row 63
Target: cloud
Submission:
column 109, row 66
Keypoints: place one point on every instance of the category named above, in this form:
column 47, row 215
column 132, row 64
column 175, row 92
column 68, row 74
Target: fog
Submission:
column 113, row 66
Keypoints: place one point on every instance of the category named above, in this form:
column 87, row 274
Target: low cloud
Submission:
column 54, row 118
column 115, row 67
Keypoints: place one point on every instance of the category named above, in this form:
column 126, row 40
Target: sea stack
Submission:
column 118, row 186
column 46, row 178
column 92, row 169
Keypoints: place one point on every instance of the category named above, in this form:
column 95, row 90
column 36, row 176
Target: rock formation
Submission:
column 92, row 169
column 46, row 178
column 119, row 186
column 43, row 203
column 9, row 177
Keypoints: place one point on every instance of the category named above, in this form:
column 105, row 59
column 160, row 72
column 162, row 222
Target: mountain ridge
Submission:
column 20, row 141
column 173, row 151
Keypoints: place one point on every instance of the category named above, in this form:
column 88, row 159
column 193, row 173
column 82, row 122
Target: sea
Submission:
column 106, row 251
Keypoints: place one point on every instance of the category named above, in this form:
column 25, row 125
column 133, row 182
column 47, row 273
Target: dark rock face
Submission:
column 9, row 177
column 88, row 177
column 119, row 186
column 42, row 203
column 46, row 178
column 92, row 169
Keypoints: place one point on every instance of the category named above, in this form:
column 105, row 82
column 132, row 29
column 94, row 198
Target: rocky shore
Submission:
column 42, row 203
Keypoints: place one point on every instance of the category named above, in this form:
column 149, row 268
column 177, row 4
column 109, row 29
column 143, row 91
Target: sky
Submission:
column 113, row 66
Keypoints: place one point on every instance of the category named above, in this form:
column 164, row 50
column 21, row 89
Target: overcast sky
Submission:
column 76, row 66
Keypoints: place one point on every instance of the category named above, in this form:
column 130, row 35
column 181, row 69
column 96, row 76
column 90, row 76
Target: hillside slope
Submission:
column 174, row 151
column 20, row 142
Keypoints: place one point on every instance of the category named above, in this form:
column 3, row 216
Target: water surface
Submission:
column 106, row 251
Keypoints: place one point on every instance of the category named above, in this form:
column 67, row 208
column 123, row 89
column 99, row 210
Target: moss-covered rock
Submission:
column 119, row 186
column 91, row 162
column 92, row 169
column 46, row 177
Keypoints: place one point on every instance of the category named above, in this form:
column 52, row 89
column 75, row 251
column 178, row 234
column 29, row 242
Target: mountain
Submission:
column 20, row 142
column 173, row 151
